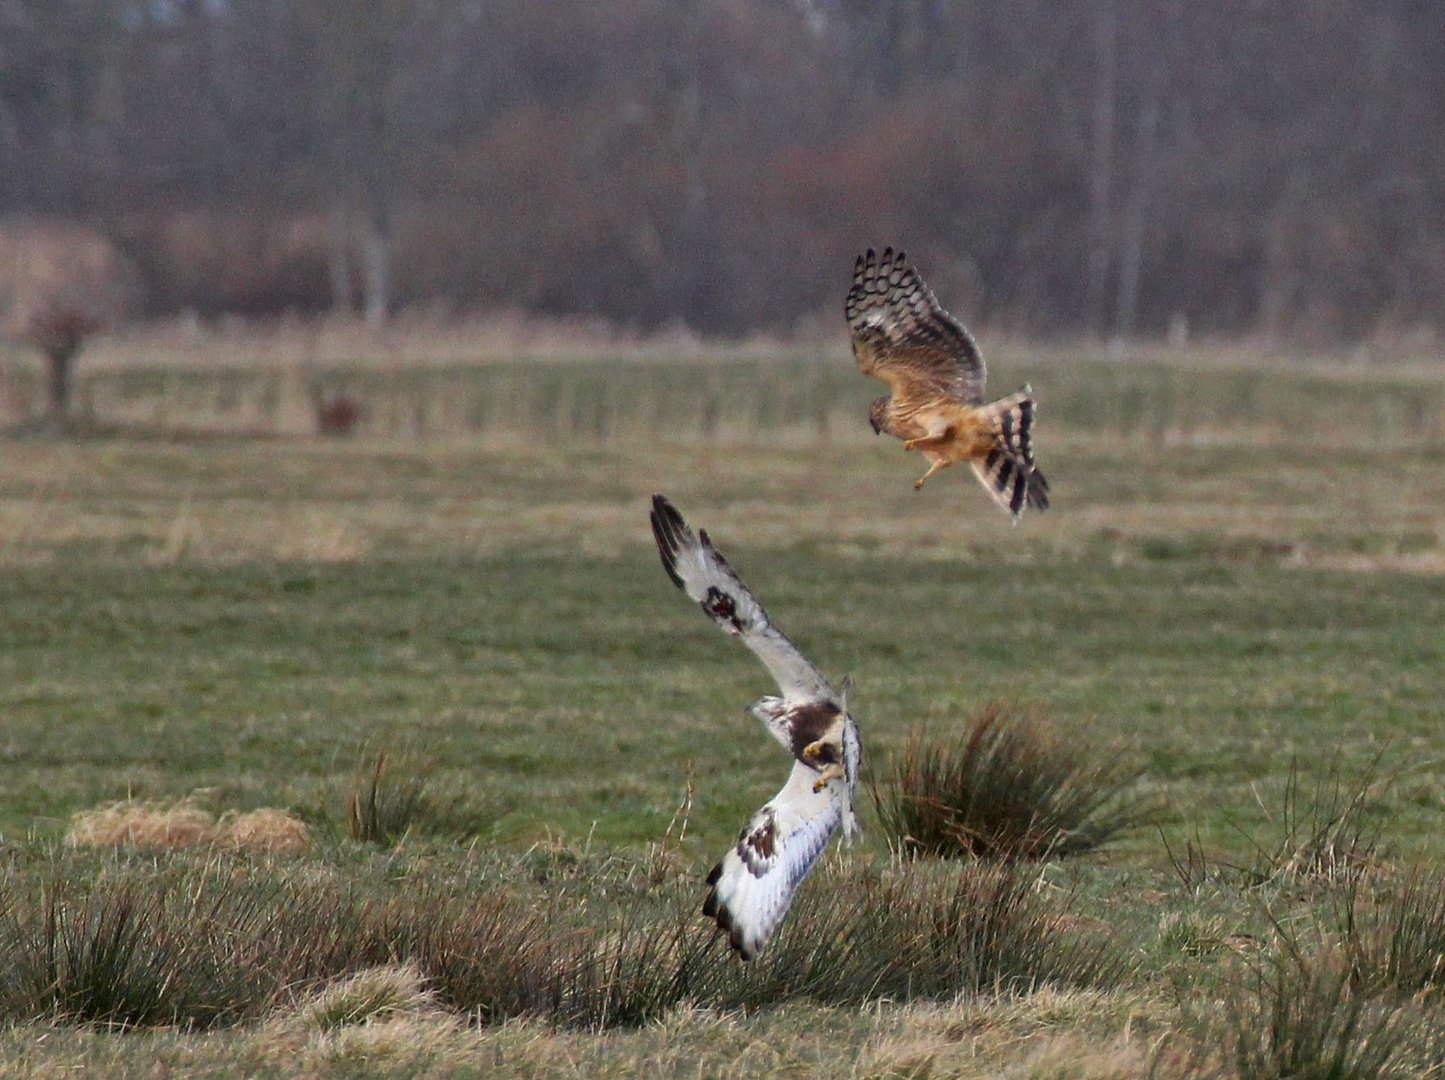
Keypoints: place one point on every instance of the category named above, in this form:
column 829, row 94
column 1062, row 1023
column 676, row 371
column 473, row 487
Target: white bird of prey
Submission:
column 751, row 888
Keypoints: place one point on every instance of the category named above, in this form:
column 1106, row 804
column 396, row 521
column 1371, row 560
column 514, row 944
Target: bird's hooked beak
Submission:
column 874, row 425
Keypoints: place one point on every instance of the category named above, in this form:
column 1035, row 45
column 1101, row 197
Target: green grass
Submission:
column 570, row 694
column 1241, row 608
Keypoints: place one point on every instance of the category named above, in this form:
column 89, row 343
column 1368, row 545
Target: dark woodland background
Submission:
column 1122, row 168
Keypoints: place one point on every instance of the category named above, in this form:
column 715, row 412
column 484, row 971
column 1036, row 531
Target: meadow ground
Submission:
column 1239, row 590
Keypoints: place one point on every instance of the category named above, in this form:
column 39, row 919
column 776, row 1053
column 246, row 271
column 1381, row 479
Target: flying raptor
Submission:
column 935, row 374
column 750, row 889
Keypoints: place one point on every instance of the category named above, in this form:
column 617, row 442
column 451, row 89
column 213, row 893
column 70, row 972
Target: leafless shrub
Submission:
column 337, row 414
column 60, row 283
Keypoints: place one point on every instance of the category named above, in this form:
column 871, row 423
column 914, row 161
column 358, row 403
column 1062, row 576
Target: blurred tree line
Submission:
column 1118, row 167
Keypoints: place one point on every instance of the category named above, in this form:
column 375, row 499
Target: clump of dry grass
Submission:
column 131, row 823
column 384, row 1012
column 1006, row 787
column 266, row 829
column 372, row 995
column 184, row 823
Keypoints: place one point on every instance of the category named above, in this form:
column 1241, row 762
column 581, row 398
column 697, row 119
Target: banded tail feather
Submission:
column 1008, row 472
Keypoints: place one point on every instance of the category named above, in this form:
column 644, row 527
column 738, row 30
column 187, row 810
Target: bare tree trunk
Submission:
column 1281, row 276
column 61, row 362
column 1135, row 224
column 1136, row 216
column 376, row 263
column 338, row 254
column 1101, row 165
column 687, row 257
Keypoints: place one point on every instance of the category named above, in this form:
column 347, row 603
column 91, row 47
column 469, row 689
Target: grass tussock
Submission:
column 1325, row 833
column 1394, row 933
column 1299, row 1015
column 385, row 801
column 1006, row 787
column 917, row 930
column 130, row 823
column 217, row 941
column 373, row 995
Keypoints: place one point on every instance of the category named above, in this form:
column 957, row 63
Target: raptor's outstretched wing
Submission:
column 698, row 570
column 751, row 888
column 902, row 335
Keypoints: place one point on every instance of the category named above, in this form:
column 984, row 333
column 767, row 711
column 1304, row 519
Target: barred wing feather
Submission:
column 697, row 568
column 902, row 335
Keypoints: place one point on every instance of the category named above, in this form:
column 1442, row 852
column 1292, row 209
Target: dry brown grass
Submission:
column 184, row 823
column 374, row 996
column 413, row 339
column 489, row 456
column 266, row 829
column 1047, row 1035
column 1079, row 1034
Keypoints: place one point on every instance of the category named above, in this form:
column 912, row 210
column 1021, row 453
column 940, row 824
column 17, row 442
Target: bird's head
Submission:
column 875, row 415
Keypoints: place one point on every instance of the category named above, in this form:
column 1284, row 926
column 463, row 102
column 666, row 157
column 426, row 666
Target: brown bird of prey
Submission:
column 935, row 372
column 750, row 889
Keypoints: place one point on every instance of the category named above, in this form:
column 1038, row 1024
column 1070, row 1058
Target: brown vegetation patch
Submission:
column 184, row 824
column 266, row 829
column 48, row 266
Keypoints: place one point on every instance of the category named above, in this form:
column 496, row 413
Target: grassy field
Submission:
column 1240, row 590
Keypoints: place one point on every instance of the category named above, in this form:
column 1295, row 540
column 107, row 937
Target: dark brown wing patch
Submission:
column 672, row 535
column 809, row 722
column 758, row 846
column 1009, row 470
column 723, row 609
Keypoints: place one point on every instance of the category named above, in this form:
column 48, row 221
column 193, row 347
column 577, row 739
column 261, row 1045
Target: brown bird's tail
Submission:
column 1008, row 472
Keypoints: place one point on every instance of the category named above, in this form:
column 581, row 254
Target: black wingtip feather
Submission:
column 722, row 916
column 667, row 526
